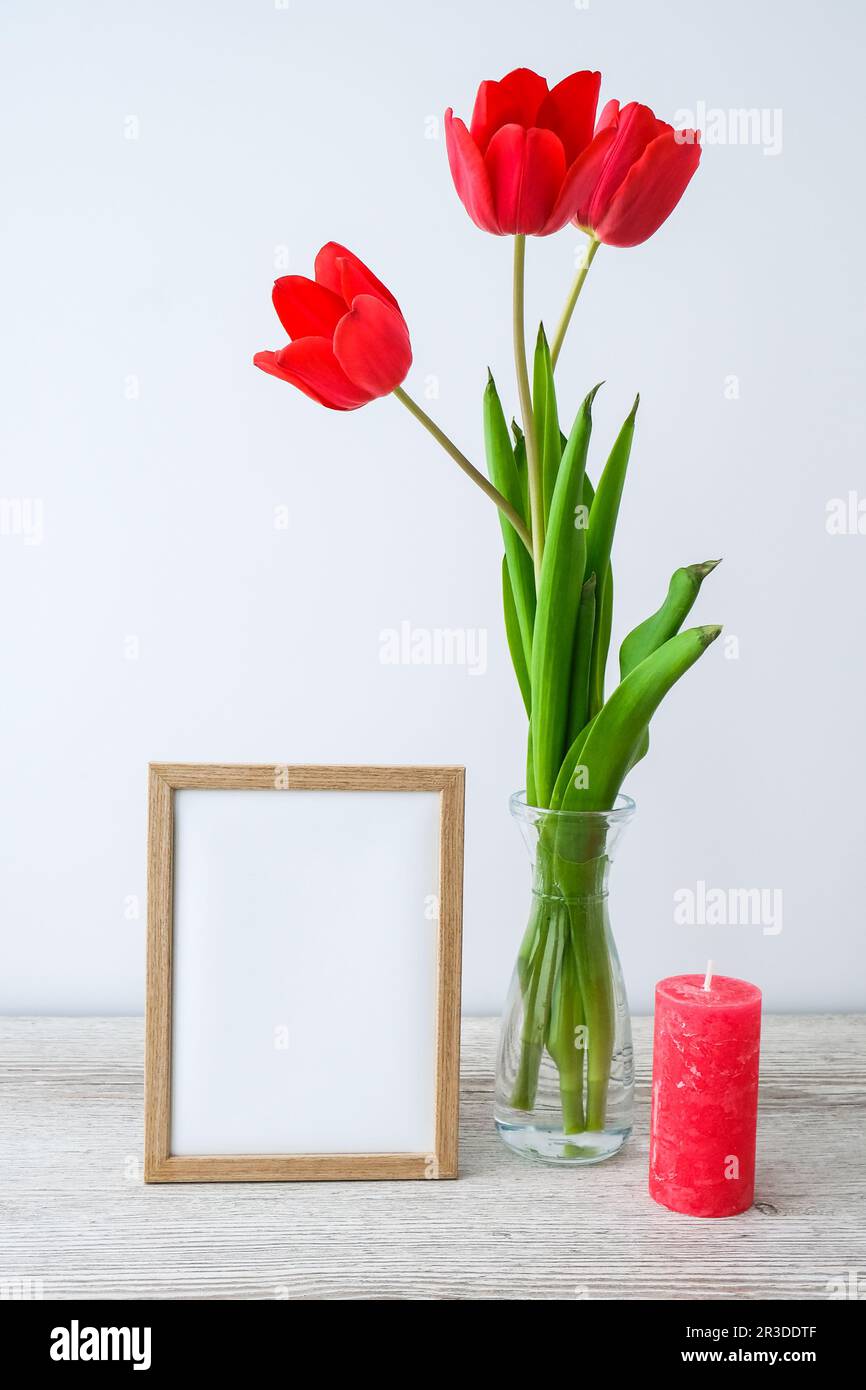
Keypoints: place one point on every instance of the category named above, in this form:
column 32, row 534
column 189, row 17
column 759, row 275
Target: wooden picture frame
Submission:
column 166, row 782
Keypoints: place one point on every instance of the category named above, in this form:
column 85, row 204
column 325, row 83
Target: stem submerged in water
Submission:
column 565, row 1038
column 568, row 998
column 590, row 945
column 540, row 976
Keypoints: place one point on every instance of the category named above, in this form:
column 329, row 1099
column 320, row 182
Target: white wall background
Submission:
column 142, row 267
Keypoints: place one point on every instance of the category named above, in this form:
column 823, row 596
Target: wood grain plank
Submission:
column 292, row 777
column 293, row 1167
column 75, row 1214
column 449, row 973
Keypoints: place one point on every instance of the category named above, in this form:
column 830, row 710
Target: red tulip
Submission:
column 528, row 160
column 350, row 342
column 645, row 172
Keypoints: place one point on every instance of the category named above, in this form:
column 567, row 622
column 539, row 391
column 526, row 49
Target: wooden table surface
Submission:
column 75, row 1215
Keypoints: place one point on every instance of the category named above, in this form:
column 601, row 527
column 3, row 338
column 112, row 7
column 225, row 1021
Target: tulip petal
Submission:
column 372, row 346
column 527, row 89
column 651, row 190
column 635, row 128
column 492, row 109
column 306, row 309
column 609, row 116
column 310, row 365
column 526, row 169
column 340, row 271
column 569, row 111
column 513, row 101
column 469, row 174
column 268, row 362
column 578, row 185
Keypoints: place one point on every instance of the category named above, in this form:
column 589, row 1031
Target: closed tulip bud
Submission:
column 349, row 340
column 646, row 170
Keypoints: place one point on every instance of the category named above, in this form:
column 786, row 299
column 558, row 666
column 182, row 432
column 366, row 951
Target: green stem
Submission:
column 566, row 981
column 565, row 320
column 580, row 870
column 566, row 1017
column 537, row 969
column 526, row 1080
column 468, row 468
column 529, row 943
column 531, row 796
column 536, row 500
column 590, row 945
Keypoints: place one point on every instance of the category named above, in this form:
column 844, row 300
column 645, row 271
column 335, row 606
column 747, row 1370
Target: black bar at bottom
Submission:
column 66, row 1338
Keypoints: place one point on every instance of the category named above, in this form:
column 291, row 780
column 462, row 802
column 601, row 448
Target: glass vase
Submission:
column 565, row 1070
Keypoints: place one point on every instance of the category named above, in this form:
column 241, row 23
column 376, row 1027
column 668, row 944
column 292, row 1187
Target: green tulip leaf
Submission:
column 570, row 764
column 602, row 525
column 515, row 637
column 562, row 571
column 546, row 418
column 683, row 589
column 578, row 704
column 617, row 729
column 505, row 475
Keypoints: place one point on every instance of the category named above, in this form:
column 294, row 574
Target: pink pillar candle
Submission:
column 705, row 1095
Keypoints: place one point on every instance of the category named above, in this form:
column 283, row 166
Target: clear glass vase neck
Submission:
column 571, row 851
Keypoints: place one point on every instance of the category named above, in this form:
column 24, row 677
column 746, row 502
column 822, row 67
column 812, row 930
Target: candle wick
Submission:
column 708, row 978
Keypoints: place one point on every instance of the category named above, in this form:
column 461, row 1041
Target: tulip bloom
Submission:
column 350, row 342
column 646, row 170
column 528, row 159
